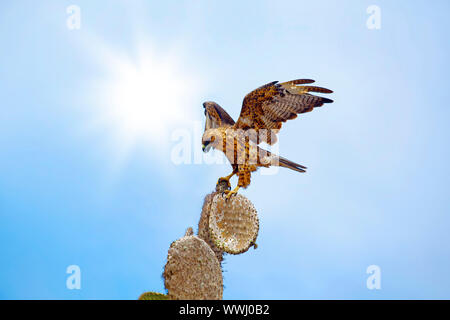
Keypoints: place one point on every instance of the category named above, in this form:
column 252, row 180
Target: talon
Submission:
column 230, row 193
column 226, row 179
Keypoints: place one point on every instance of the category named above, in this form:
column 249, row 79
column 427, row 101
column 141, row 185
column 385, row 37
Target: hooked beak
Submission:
column 206, row 148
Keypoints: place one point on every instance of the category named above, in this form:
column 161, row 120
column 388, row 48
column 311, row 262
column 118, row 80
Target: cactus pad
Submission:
column 192, row 271
column 233, row 223
column 203, row 226
column 153, row 296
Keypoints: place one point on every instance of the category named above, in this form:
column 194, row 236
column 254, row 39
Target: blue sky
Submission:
column 86, row 172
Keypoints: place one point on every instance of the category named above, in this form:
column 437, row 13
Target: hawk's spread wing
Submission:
column 216, row 116
column 274, row 103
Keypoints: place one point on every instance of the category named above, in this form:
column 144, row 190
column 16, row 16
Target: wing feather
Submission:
column 216, row 116
column 268, row 106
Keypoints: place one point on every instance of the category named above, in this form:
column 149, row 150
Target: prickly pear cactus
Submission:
column 192, row 271
column 203, row 226
column 233, row 223
column 153, row 296
column 193, row 268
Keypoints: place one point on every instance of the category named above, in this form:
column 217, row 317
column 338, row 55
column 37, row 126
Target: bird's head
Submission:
column 210, row 139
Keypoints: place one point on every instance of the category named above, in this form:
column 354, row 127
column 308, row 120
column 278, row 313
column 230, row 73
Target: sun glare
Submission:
column 147, row 96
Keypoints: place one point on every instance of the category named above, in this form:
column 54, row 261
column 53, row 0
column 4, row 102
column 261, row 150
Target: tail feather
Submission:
column 285, row 163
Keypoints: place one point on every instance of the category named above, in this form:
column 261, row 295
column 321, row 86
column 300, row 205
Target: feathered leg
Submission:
column 244, row 173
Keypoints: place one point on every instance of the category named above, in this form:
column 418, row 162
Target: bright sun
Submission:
column 146, row 96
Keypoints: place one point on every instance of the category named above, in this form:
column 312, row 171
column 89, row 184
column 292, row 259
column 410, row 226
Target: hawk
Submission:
column 262, row 114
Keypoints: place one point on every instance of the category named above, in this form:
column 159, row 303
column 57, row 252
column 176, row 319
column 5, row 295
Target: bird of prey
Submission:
column 262, row 114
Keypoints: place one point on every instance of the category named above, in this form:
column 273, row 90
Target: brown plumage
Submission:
column 262, row 114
